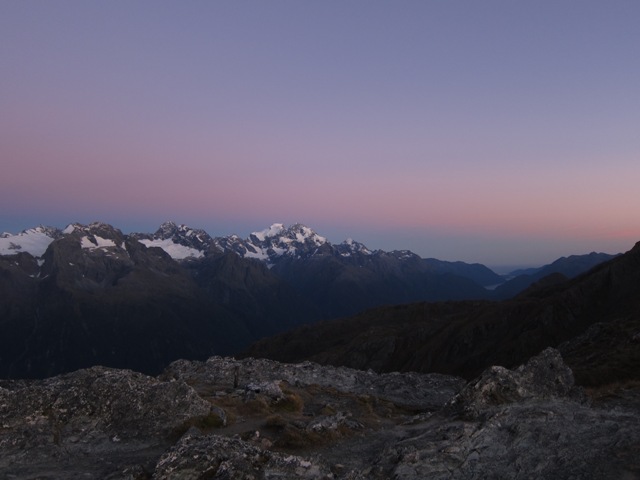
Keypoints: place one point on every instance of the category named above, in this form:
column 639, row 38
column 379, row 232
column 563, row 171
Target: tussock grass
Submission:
column 205, row 423
column 292, row 402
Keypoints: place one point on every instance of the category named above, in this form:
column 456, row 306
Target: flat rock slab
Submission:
column 413, row 390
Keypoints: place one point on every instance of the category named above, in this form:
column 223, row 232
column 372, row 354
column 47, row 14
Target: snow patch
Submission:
column 33, row 241
column 70, row 229
column 259, row 254
column 100, row 242
column 175, row 250
column 351, row 246
column 272, row 231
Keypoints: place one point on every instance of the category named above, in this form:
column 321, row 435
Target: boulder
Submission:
column 543, row 377
column 60, row 424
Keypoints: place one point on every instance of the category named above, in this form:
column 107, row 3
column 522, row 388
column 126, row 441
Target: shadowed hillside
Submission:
column 594, row 319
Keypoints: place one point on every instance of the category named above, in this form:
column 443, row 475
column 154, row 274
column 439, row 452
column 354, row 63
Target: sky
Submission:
column 498, row 132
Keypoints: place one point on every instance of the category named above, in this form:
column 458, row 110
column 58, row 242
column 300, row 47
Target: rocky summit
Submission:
column 259, row 419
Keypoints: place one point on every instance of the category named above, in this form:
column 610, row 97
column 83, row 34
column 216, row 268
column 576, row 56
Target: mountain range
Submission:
column 89, row 294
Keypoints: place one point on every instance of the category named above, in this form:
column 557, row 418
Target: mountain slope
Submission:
column 570, row 267
column 97, row 296
column 105, row 299
column 475, row 271
column 343, row 286
column 462, row 338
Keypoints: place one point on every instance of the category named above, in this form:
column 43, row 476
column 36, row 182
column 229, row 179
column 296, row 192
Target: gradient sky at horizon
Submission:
column 497, row 132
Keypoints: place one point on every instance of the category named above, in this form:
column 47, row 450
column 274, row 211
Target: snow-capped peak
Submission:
column 275, row 242
column 166, row 230
column 302, row 233
column 404, row 254
column 287, row 241
column 273, row 231
column 171, row 230
column 350, row 247
column 96, row 236
column 91, row 228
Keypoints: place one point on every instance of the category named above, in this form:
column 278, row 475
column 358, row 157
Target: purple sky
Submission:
column 498, row 132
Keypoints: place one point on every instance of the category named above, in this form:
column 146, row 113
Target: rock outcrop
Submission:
column 422, row 391
column 530, row 440
column 198, row 456
column 543, row 377
column 259, row 419
column 92, row 421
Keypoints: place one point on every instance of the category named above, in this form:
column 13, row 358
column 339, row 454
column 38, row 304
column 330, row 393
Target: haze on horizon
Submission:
column 495, row 132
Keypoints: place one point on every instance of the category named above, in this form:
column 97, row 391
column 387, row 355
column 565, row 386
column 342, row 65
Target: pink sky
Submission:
column 506, row 134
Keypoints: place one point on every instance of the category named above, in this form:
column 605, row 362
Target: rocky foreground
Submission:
column 259, row 419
